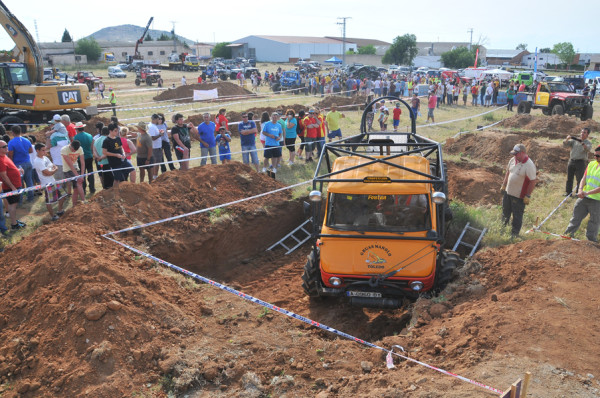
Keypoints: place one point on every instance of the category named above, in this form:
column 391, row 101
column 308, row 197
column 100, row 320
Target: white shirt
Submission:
column 153, row 132
column 40, row 164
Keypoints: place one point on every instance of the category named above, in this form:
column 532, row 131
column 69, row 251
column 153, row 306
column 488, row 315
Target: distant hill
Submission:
column 131, row 33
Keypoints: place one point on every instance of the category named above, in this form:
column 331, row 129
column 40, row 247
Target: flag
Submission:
column 476, row 56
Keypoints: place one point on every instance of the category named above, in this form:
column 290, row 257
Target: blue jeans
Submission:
column 27, row 177
column 204, row 152
column 2, row 218
column 247, row 152
column 320, row 143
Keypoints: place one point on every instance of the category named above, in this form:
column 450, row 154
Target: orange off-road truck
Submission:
column 381, row 238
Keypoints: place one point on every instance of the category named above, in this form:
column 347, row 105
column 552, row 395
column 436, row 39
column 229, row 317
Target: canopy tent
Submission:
column 499, row 73
column 333, row 60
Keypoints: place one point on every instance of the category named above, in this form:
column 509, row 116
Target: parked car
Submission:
column 113, row 71
column 64, row 77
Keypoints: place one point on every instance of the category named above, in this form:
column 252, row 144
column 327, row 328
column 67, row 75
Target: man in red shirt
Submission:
column 432, row 102
column 71, row 130
column 396, row 116
column 10, row 176
column 312, row 127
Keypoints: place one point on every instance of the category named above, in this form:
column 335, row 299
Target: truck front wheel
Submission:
column 447, row 264
column 524, row 107
column 311, row 277
column 558, row 109
column 587, row 113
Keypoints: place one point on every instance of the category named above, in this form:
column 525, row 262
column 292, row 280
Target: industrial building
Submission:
column 286, row 48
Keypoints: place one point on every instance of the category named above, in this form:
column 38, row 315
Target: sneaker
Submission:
column 17, row 226
column 21, row 224
column 290, row 163
column 300, row 157
column 270, row 167
column 60, row 213
column 264, row 169
column 54, row 218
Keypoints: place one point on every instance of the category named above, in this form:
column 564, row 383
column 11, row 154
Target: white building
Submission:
column 286, row 48
column 543, row 59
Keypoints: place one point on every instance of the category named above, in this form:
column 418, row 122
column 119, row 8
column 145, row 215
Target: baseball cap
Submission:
column 142, row 125
column 518, row 148
column 56, row 118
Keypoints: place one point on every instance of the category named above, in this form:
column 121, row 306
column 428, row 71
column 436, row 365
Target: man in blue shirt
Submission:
column 208, row 144
column 247, row 129
column 273, row 133
column 19, row 149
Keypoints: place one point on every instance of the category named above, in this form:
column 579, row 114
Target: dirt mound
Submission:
column 495, row 147
column 185, row 93
column 342, row 102
column 466, row 180
column 561, row 124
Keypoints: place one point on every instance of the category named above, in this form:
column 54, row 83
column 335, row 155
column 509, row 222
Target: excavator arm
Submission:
column 32, row 56
column 141, row 39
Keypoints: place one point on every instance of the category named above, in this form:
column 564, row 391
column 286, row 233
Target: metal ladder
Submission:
column 462, row 234
column 299, row 240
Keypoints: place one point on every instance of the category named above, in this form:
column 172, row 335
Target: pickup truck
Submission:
column 556, row 98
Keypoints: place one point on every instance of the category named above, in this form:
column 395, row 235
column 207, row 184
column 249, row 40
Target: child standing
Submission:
column 223, row 139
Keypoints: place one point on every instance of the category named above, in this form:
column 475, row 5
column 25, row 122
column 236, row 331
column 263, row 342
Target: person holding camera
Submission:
column 580, row 146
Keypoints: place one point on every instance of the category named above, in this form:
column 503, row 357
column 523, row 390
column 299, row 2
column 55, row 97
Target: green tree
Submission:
column 565, row 52
column 66, row 37
column 164, row 37
column 460, row 57
column 350, row 52
column 90, row 48
column 402, row 51
column 221, row 50
column 545, row 50
column 522, row 46
column 370, row 49
column 148, row 37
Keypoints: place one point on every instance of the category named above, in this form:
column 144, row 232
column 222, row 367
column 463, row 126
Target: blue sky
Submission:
column 498, row 25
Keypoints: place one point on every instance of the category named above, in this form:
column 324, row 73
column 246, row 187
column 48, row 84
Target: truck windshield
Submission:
column 19, row 75
column 383, row 213
column 560, row 88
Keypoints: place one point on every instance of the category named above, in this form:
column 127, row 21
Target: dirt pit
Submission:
column 83, row 316
column 466, row 181
column 562, row 125
column 185, row 93
column 495, row 147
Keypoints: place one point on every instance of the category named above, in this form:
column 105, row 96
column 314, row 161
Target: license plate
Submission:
column 363, row 294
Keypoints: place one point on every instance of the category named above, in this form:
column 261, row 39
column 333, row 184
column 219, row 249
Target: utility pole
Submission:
column 471, row 40
column 343, row 23
column 174, row 38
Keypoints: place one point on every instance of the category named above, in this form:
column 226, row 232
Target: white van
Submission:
column 113, row 71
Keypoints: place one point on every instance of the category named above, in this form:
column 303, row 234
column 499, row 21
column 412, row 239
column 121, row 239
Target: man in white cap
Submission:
column 518, row 184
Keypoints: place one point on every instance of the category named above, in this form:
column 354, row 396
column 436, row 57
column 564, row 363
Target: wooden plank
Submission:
column 526, row 383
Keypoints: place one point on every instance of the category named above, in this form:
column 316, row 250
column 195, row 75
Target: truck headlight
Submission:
column 438, row 198
column 335, row 281
column 416, row 286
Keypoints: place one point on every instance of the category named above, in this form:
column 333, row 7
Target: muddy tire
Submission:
column 276, row 87
column 448, row 263
column 546, row 111
column 312, row 276
column 587, row 113
column 524, row 107
column 137, row 82
column 558, row 109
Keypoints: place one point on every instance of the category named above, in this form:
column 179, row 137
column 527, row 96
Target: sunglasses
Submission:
column 596, row 156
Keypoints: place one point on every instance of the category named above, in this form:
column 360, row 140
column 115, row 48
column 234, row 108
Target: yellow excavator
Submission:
column 25, row 98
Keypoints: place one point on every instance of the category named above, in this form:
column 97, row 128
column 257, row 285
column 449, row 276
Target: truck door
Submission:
column 543, row 95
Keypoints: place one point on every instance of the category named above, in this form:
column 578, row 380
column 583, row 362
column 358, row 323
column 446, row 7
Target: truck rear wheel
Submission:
column 443, row 274
column 587, row 113
column 524, row 107
column 312, row 277
column 558, row 109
